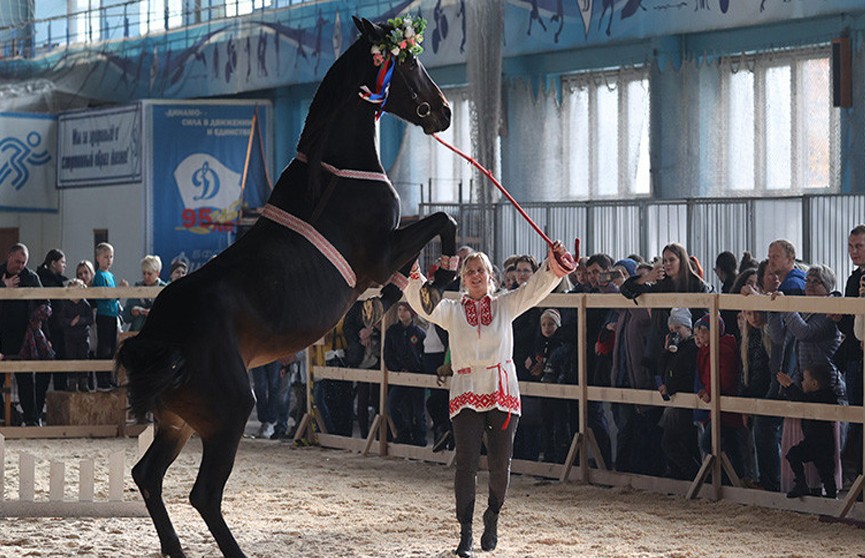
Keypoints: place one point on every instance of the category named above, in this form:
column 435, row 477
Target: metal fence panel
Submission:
column 831, row 219
column 816, row 225
column 616, row 230
column 717, row 226
column 665, row 223
column 774, row 219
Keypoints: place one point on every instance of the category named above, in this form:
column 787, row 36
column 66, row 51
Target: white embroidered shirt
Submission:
column 482, row 342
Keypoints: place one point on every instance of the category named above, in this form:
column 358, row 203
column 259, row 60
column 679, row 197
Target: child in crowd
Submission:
column 728, row 370
column 554, row 412
column 403, row 352
column 107, row 313
column 677, row 369
column 75, row 317
column 818, row 446
column 546, row 343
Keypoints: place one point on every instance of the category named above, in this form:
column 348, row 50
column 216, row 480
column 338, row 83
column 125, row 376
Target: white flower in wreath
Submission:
column 376, row 49
column 395, row 51
column 409, row 31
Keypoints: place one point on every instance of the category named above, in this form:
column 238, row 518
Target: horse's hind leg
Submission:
column 170, row 437
column 217, row 461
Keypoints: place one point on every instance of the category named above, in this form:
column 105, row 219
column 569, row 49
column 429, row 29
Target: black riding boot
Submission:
column 491, row 525
column 464, row 550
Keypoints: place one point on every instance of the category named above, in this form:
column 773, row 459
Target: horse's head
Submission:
column 412, row 94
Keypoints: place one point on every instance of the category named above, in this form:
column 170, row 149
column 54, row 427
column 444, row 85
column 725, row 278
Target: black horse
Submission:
column 273, row 293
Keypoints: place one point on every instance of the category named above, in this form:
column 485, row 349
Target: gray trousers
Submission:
column 469, row 427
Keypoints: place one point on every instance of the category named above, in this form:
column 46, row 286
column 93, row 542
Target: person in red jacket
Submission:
column 728, row 370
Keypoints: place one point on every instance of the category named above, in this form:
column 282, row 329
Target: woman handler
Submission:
column 484, row 395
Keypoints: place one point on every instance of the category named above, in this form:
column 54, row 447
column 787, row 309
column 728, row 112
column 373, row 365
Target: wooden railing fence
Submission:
column 583, row 443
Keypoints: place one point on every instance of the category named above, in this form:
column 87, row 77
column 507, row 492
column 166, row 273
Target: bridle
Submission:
column 423, row 109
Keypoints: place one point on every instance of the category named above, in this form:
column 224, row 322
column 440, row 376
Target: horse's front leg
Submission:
column 405, row 245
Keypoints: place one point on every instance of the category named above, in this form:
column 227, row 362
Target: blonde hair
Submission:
column 104, row 247
column 74, row 283
column 151, row 263
column 485, row 260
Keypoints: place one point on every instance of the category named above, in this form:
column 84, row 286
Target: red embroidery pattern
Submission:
column 485, row 401
column 415, row 273
column 400, row 280
column 471, row 310
column 464, row 371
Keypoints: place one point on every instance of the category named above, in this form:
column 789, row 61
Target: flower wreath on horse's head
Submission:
column 403, row 40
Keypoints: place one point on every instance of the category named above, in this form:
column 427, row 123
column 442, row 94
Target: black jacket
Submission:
column 14, row 314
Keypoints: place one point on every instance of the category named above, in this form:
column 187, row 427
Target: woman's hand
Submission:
column 654, row 275
column 704, row 396
column 784, row 379
column 775, row 295
column 556, row 254
column 749, row 290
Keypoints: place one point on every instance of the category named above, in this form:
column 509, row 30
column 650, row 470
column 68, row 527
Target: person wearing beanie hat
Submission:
column 629, row 265
column 679, row 317
column 677, row 367
column 552, row 314
column 705, row 323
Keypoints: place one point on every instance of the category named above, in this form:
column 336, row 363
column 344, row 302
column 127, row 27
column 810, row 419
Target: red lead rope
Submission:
column 565, row 260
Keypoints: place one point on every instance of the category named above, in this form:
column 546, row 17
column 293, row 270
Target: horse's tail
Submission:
column 152, row 368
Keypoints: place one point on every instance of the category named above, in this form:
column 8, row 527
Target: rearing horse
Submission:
column 274, row 292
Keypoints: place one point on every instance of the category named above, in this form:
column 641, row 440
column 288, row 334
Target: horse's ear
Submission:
column 370, row 31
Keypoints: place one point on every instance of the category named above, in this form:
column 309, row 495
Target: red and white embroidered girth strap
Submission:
column 348, row 173
column 307, row 231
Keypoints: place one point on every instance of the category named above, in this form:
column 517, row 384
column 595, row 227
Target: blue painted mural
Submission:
column 294, row 45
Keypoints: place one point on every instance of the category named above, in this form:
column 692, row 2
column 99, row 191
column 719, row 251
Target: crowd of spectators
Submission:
column 785, row 355
column 75, row 328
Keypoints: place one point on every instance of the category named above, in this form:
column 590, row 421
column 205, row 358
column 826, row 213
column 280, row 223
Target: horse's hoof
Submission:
column 373, row 310
column 443, row 278
column 429, row 297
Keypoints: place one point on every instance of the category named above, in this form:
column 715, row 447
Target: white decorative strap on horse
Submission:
column 307, row 231
column 348, row 173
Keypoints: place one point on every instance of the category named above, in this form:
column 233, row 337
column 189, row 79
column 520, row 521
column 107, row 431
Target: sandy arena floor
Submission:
column 283, row 501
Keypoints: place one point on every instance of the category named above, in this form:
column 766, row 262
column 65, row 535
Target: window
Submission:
column 240, row 7
column 84, row 21
column 445, row 177
column 448, row 171
column 606, row 134
column 782, row 134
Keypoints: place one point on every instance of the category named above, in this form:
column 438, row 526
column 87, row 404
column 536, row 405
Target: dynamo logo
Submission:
column 203, row 181
column 15, row 155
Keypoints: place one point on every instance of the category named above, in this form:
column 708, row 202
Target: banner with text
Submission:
column 198, row 155
column 27, row 152
column 98, row 147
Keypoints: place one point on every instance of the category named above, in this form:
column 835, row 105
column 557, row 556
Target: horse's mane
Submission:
column 339, row 86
